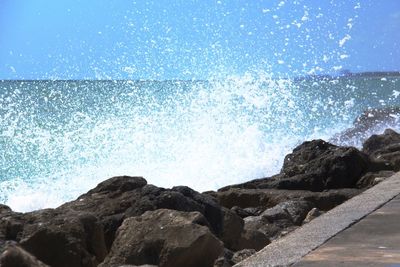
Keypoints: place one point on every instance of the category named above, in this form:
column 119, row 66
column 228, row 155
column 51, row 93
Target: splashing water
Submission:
column 60, row 138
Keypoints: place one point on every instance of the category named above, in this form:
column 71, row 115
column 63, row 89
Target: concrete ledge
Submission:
column 291, row 248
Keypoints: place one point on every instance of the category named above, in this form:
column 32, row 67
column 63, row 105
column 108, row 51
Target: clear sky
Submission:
column 192, row 39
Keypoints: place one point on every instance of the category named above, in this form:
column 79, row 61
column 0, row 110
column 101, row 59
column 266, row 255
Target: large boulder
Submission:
column 283, row 217
column 252, row 239
column 57, row 238
column 371, row 121
column 121, row 197
column 233, row 229
column 81, row 232
column 292, row 212
column 263, row 225
column 13, row 255
column 166, row 238
column 317, row 166
column 372, row 178
column 384, row 146
column 4, row 209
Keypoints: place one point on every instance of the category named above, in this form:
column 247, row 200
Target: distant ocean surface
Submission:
column 58, row 139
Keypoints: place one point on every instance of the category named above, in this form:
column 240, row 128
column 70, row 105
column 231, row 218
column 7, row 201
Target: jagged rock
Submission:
column 165, row 238
column 243, row 213
column 385, row 147
column 80, row 233
column 4, row 209
column 57, row 237
column 312, row 214
column 63, row 237
column 317, row 166
column 274, row 221
column 291, row 212
column 262, row 199
column 260, row 223
column 372, row 178
column 13, row 255
column 252, row 239
column 233, row 228
column 369, row 122
column 377, row 142
column 224, row 260
column 121, row 197
column 242, row 254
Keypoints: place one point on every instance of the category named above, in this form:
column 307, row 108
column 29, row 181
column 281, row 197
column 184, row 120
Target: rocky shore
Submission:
column 124, row 221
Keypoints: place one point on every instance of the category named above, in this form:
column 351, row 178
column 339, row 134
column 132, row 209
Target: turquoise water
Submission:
column 60, row 138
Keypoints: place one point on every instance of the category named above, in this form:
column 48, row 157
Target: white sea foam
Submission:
column 205, row 136
column 214, row 134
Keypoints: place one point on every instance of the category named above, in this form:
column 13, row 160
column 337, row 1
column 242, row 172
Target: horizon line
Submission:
column 345, row 73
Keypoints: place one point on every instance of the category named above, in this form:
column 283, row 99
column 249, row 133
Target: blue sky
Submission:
column 193, row 39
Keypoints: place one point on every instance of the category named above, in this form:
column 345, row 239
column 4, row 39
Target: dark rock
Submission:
column 275, row 221
column 244, row 198
column 252, row 239
column 286, row 231
column 292, row 212
column 81, row 232
column 372, row 178
column 371, row 121
column 4, row 209
column 164, row 238
column 385, row 147
column 118, row 185
column 242, row 254
column 13, row 255
column 262, row 224
column 317, row 166
column 377, row 142
column 262, row 183
column 331, row 198
column 225, row 260
column 62, row 238
column 267, row 198
column 243, row 213
column 312, row 214
column 233, row 228
column 212, row 210
column 133, row 197
column 57, row 237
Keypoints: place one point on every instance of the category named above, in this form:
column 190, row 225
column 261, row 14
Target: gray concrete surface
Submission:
column 373, row 241
column 293, row 247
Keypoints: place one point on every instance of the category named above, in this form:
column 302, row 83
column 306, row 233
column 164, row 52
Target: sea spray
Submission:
column 60, row 138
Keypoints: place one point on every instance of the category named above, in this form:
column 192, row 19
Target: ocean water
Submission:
column 58, row 139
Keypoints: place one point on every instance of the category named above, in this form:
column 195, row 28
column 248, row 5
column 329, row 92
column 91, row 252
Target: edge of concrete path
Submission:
column 293, row 247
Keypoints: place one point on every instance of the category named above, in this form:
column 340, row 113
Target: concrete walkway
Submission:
column 375, row 243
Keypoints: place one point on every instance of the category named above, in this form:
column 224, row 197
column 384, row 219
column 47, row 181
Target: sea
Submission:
column 60, row 138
